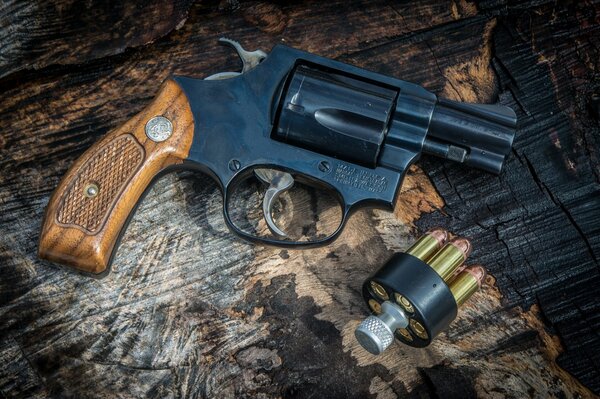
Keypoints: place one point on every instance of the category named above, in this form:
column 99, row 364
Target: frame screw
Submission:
column 234, row 165
column 91, row 190
column 324, row 166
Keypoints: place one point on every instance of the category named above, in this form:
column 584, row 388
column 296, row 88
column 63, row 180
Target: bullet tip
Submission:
column 478, row 272
column 463, row 245
column 439, row 234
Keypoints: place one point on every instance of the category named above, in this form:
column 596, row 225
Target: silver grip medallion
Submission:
column 159, row 129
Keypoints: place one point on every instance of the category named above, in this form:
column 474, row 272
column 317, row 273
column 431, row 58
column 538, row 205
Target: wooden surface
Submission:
column 189, row 310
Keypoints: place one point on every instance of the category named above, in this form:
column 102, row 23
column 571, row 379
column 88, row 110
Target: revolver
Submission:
column 296, row 142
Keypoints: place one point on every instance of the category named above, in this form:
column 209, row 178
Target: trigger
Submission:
column 279, row 182
column 270, row 197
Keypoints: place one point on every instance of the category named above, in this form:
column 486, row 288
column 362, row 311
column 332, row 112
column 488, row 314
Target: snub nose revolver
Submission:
column 295, row 141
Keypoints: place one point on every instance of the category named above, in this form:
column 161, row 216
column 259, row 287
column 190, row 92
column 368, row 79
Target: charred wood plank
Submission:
column 191, row 311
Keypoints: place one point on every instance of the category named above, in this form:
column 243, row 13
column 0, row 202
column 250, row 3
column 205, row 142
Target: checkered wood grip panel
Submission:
column 92, row 204
column 109, row 169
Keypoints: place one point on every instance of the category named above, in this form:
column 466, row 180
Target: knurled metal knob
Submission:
column 376, row 333
column 373, row 335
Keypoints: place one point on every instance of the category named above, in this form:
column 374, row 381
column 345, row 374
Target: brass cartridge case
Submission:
column 467, row 283
column 379, row 290
column 450, row 257
column 428, row 244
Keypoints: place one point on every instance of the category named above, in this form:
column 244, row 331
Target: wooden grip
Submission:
column 95, row 198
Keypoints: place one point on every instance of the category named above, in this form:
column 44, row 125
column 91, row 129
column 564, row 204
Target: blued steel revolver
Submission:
column 295, row 141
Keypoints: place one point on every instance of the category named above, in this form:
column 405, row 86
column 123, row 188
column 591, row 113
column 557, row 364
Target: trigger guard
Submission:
column 346, row 210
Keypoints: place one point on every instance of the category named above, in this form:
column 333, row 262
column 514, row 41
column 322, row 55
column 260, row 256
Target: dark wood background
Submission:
column 189, row 310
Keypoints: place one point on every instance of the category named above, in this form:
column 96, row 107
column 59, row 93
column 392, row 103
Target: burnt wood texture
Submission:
column 191, row 311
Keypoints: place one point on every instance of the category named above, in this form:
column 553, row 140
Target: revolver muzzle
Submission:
column 478, row 135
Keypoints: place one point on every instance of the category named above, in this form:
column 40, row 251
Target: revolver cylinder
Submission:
column 336, row 115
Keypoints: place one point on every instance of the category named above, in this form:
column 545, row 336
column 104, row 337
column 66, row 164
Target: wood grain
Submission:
column 191, row 311
column 80, row 230
column 37, row 34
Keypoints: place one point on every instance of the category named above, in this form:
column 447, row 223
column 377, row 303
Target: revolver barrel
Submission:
column 375, row 124
column 478, row 135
